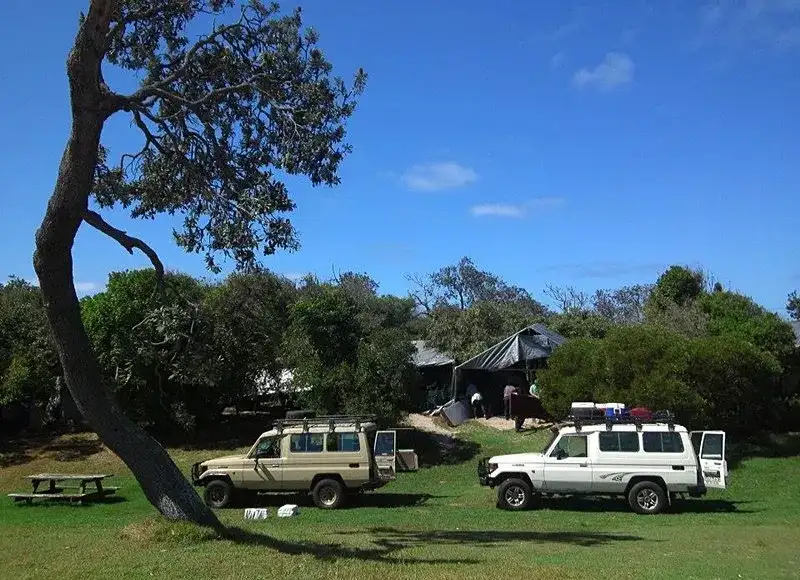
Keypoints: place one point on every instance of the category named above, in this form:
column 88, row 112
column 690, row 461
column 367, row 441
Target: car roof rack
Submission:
column 329, row 421
column 667, row 417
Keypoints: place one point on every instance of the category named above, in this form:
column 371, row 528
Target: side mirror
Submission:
column 561, row 454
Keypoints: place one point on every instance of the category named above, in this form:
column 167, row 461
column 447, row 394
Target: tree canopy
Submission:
column 223, row 117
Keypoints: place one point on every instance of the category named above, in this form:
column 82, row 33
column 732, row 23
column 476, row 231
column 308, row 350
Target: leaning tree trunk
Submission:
column 163, row 483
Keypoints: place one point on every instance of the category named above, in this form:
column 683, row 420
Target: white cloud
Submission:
column 514, row 210
column 438, row 176
column 498, row 210
column 616, row 70
column 87, row 287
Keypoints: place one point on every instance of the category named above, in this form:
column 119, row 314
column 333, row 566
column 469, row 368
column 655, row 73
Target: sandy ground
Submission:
column 425, row 423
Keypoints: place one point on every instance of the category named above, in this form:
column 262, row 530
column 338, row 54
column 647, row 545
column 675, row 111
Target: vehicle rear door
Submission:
column 710, row 449
column 385, row 452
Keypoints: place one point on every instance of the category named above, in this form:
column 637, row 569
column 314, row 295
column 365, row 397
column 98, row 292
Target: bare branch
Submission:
column 568, row 298
column 150, row 138
column 95, row 220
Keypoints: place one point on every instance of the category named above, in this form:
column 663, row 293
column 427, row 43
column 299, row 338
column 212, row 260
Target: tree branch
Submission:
column 95, row 220
column 186, row 63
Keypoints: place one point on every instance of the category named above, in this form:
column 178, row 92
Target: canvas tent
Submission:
column 534, row 342
column 435, row 372
column 522, row 351
column 427, row 356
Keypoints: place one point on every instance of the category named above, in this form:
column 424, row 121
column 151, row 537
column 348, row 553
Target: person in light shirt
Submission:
column 476, row 401
column 509, row 391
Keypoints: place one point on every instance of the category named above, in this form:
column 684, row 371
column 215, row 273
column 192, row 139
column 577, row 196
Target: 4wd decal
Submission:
column 615, row 476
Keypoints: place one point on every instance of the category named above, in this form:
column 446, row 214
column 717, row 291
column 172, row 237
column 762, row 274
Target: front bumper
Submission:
column 196, row 474
column 483, row 472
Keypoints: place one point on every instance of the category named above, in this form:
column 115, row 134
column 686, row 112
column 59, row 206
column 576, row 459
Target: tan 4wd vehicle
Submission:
column 328, row 456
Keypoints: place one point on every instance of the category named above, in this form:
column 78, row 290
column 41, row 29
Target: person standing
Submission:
column 509, row 391
column 475, row 400
column 534, row 391
column 478, row 408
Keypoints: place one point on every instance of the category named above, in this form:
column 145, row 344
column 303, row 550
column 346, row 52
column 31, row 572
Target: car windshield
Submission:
column 553, row 435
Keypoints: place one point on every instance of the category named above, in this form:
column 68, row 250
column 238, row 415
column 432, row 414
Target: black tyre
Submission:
column 218, row 494
column 647, row 497
column 514, row 494
column 328, row 494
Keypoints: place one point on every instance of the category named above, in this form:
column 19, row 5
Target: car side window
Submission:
column 571, row 446
column 306, row 443
column 620, row 441
column 268, row 447
column 662, row 442
column 342, row 442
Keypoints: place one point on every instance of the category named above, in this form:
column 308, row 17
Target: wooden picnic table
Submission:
column 58, row 482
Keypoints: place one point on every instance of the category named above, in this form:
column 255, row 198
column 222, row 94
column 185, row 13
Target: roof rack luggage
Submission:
column 659, row 417
column 329, row 421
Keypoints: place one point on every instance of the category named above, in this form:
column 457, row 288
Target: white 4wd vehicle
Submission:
column 647, row 463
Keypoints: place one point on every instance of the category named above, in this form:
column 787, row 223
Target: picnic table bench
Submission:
column 57, row 483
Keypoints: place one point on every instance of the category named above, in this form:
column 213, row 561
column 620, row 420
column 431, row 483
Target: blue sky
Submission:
column 583, row 143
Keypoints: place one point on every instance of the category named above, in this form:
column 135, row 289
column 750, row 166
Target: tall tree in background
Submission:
column 218, row 116
column 793, row 305
column 468, row 309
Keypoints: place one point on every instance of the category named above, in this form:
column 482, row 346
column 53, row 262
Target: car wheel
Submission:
column 647, row 497
column 218, row 494
column 328, row 494
column 514, row 494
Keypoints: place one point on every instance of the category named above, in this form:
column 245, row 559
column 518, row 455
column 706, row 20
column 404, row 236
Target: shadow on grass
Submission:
column 367, row 500
column 679, row 506
column 14, row 456
column 386, row 542
column 49, row 503
column 23, row 450
column 434, row 449
column 767, row 445
column 73, row 450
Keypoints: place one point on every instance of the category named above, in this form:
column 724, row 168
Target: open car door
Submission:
column 386, row 454
column 710, row 449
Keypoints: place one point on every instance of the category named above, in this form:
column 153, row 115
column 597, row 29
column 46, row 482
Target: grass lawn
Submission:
column 436, row 523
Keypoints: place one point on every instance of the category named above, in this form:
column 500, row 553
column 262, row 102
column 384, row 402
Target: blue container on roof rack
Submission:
column 613, row 410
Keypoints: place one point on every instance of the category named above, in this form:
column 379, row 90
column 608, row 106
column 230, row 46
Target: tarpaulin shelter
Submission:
column 435, row 372
column 523, row 350
column 427, row 356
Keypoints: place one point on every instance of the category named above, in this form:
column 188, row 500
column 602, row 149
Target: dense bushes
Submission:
column 715, row 358
column 351, row 350
column 718, row 382
column 29, row 364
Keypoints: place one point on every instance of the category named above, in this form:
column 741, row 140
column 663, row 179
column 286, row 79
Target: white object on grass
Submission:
column 288, row 510
column 256, row 513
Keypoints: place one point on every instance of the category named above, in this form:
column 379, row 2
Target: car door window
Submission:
column 571, row 446
column 268, row 447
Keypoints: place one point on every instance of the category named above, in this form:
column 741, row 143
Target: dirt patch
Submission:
column 502, row 424
column 428, row 424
